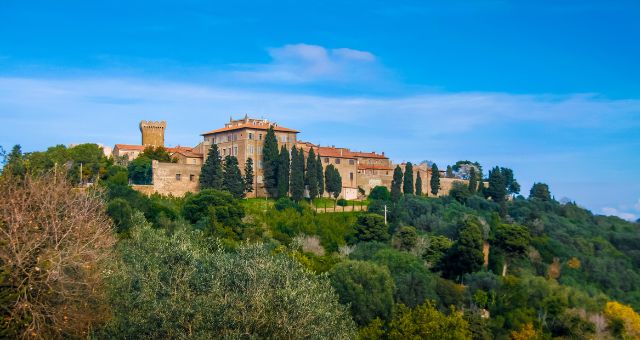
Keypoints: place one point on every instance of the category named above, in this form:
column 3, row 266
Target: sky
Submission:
column 550, row 89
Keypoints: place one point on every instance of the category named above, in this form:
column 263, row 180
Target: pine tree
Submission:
column 311, row 177
column 270, row 160
column 407, row 188
column 435, row 180
column 297, row 174
column 320, row 176
column 211, row 174
column 396, row 184
column 248, row 176
column 473, row 180
column 418, row 184
column 284, row 170
column 232, row 180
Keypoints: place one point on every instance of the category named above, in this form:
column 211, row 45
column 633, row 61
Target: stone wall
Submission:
column 175, row 179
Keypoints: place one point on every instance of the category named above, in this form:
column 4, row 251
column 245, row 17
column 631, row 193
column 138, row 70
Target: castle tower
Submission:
column 152, row 133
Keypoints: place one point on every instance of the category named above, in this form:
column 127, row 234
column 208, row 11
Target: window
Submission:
column 326, row 160
column 283, row 139
column 178, row 177
column 351, row 176
column 250, row 135
column 192, row 177
column 260, row 164
column 228, row 138
column 235, row 151
column 337, row 160
column 224, row 152
column 352, row 161
column 259, row 150
column 260, row 136
column 250, row 149
column 194, row 161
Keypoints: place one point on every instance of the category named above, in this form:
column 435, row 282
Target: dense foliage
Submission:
column 480, row 263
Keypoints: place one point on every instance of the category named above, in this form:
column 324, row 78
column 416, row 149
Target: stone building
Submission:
column 244, row 138
column 359, row 170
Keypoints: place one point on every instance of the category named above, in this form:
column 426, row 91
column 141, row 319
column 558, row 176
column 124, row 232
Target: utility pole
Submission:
column 385, row 214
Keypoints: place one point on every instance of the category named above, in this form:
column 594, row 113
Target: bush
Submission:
column 287, row 203
column 55, row 241
column 371, row 227
column 120, row 212
column 380, row 193
column 342, row 202
column 217, row 206
column 185, row 286
column 367, row 287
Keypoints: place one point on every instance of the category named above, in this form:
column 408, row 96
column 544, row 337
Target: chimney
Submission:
column 383, row 153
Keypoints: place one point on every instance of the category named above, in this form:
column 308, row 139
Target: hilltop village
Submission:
column 244, row 138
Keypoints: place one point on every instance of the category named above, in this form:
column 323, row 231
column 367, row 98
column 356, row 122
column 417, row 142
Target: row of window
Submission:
column 232, row 137
column 192, row 177
column 337, row 161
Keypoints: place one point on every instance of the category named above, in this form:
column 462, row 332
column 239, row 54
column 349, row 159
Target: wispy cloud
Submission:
column 304, row 63
column 623, row 215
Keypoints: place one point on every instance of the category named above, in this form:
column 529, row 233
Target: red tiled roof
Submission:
column 250, row 126
column 188, row 153
column 370, row 155
column 129, row 147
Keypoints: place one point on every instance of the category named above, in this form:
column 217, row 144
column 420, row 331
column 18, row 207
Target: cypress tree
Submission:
column 449, row 173
column 333, row 181
column 497, row 186
column 396, row 184
column 435, row 180
column 407, row 188
column 248, row 176
column 297, row 174
column 312, row 175
column 473, row 180
column 270, row 160
column 233, row 181
column 284, row 169
column 320, row 176
column 211, row 174
column 418, row 184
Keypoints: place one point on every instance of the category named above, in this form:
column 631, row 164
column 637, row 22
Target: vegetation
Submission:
column 435, row 180
column 215, row 265
column 211, row 176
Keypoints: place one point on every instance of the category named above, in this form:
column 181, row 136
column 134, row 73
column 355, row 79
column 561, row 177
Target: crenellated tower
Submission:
column 152, row 133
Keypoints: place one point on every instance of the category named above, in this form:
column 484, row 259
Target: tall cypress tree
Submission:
column 211, row 173
column 435, row 180
column 248, row 176
column 233, row 181
column 320, row 175
column 270, row 160
column 407, row 188
column 297, row 174
column 311, row 177
column 284, row 169
column 497, row 185
column 396, row 184
column 418, row 184
column 473, row 180
column 449, row 173
column 333, row 181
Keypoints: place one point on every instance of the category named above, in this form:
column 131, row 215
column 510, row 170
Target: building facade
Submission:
column 244, row 139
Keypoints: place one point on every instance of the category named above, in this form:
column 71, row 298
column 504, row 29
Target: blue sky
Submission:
column 548, row 88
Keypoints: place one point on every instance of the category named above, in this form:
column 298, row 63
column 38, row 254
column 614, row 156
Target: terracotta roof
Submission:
column 250, row 126
column 373, row 167
column 370, row 155
column 129, row 147
column 187, row 153
column 179, row 148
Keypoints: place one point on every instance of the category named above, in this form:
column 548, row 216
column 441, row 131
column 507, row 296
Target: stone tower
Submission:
column 152, row 133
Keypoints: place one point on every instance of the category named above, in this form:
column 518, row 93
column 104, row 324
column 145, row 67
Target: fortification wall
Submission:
column 174, row 178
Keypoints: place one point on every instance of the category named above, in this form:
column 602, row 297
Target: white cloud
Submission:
column 623, row 215
column 304, row 63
